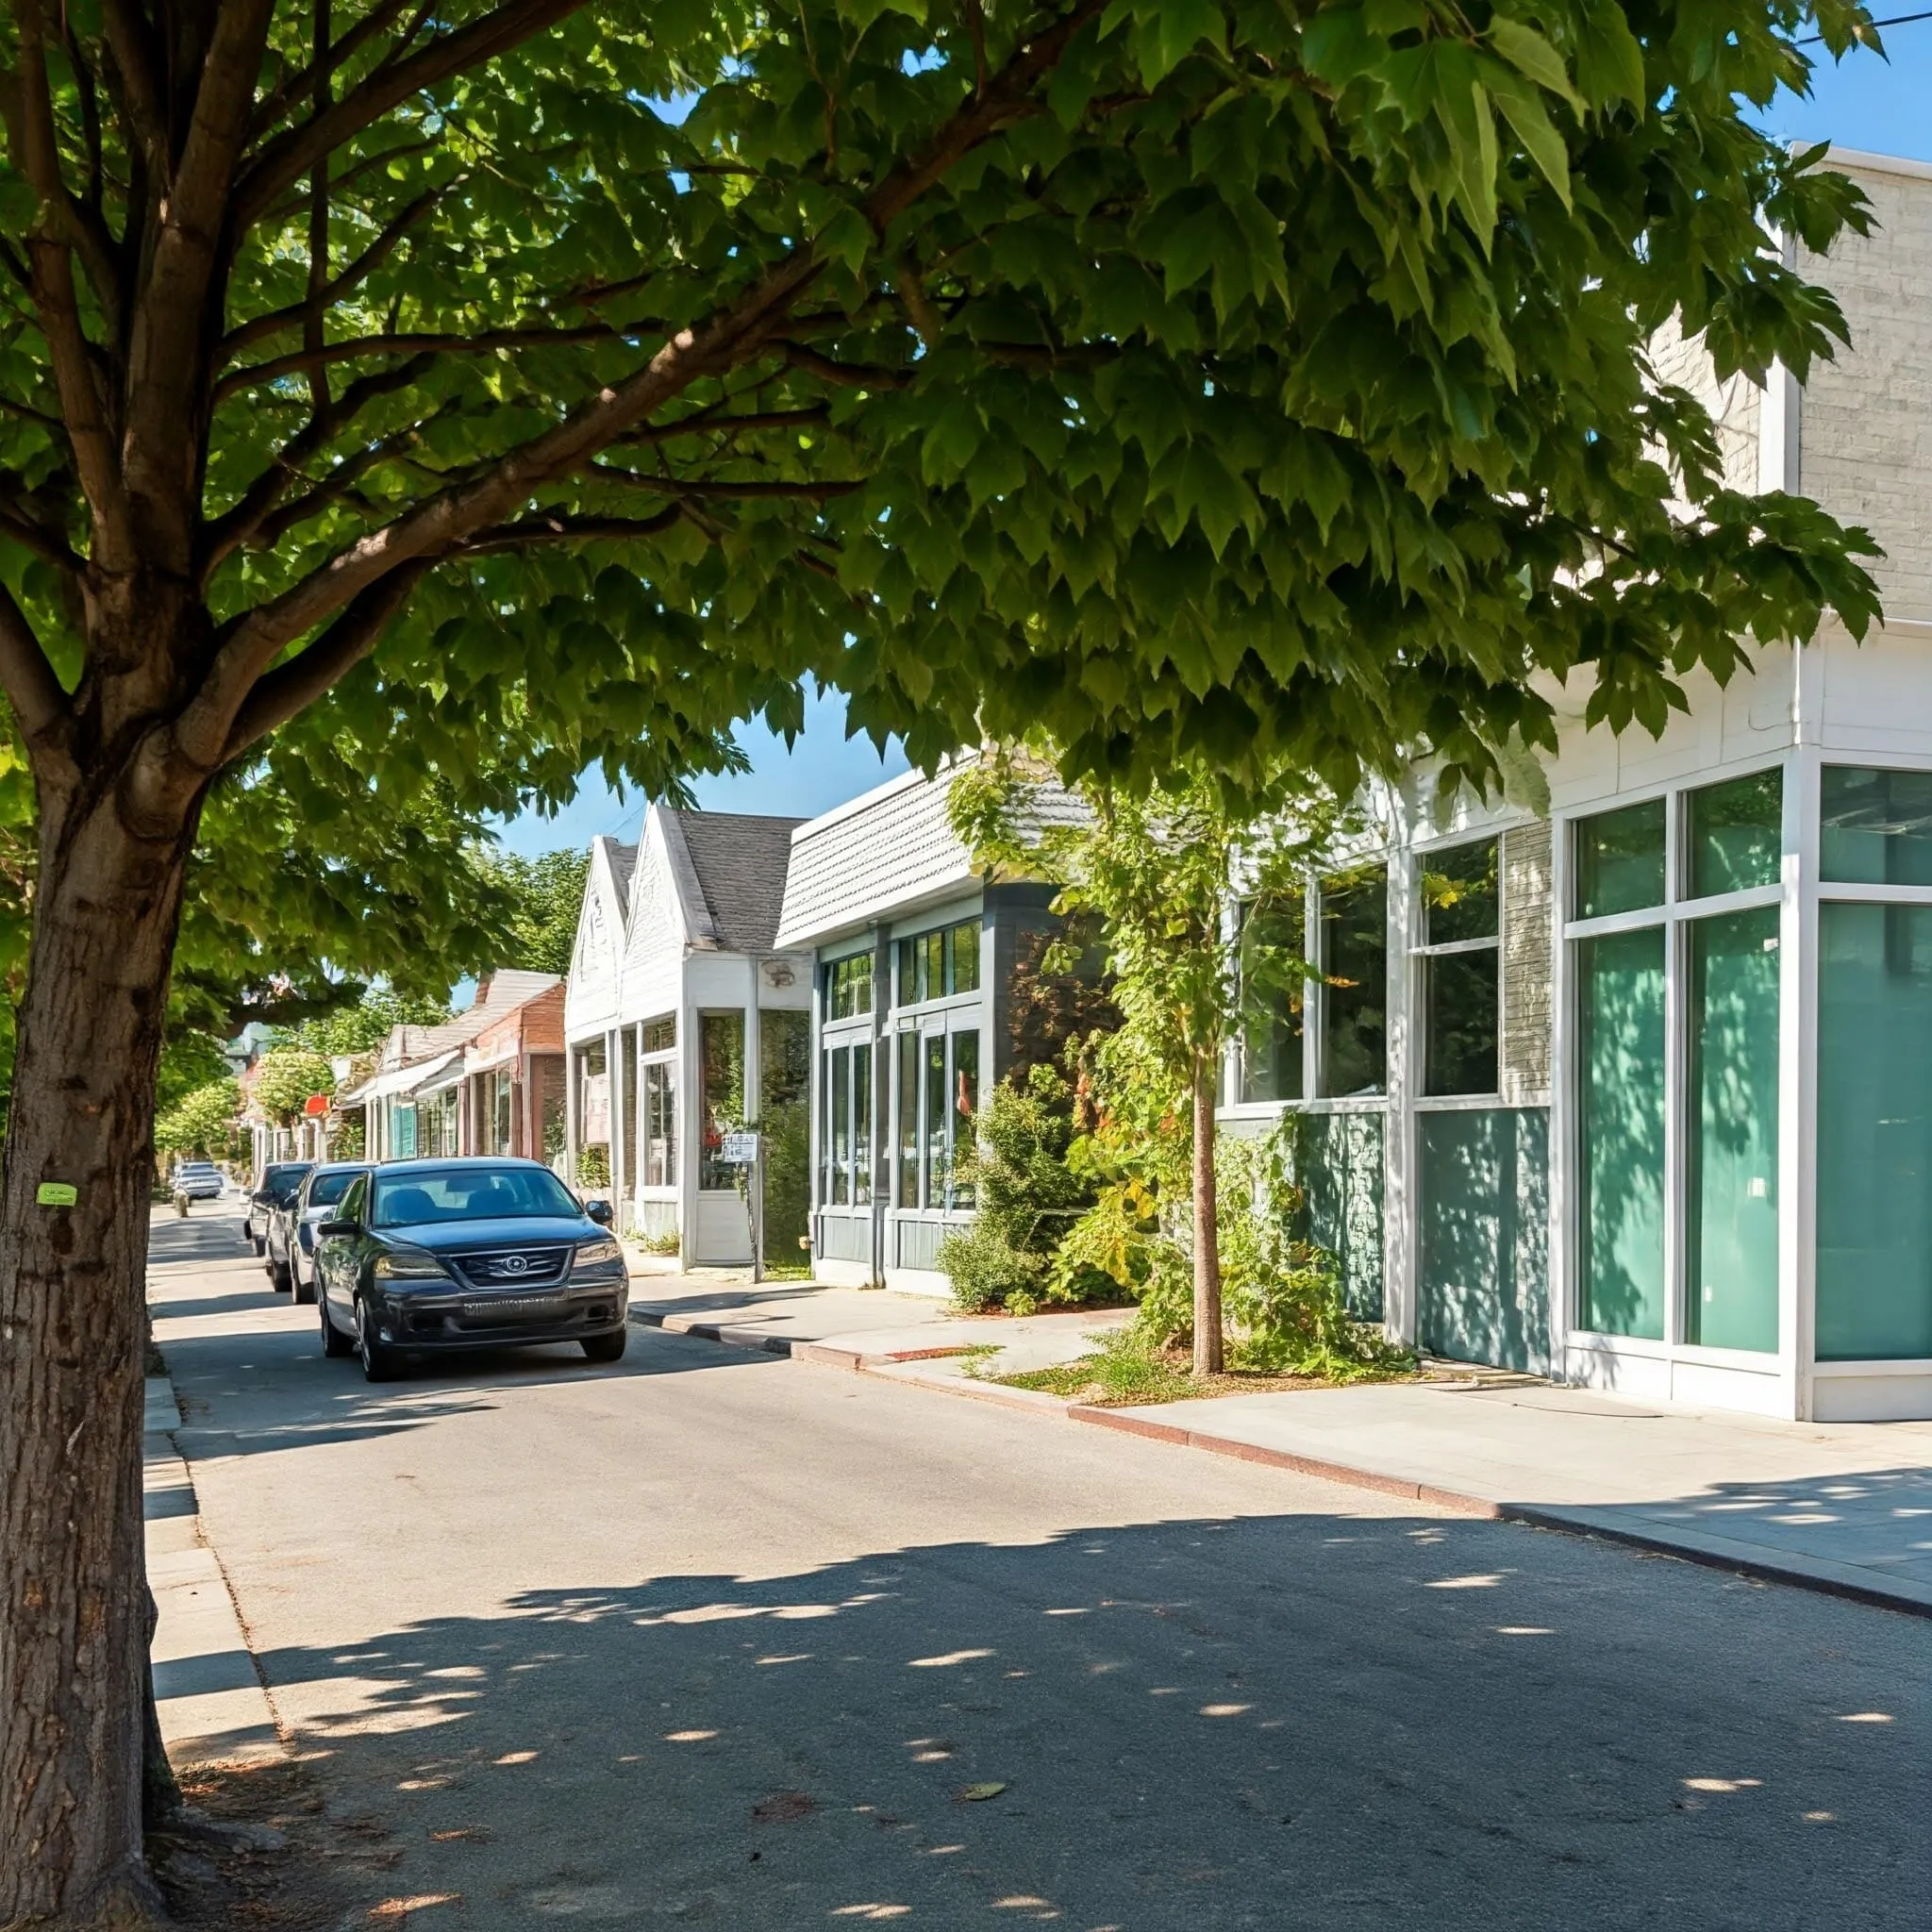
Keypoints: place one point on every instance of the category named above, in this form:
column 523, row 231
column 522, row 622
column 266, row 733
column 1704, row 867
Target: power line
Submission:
column 1897, row 20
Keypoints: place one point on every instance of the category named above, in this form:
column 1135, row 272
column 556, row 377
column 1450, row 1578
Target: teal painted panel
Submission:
column 1483, row 1252
column 1338, row 1164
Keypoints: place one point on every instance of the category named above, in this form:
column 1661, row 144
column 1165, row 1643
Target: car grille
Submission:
column 516, row 1308
column 513, row 1268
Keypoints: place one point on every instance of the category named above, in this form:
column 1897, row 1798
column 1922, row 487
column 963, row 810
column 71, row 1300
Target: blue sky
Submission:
column 1884, row 108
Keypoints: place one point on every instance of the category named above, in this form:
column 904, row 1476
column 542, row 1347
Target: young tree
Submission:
column 1200, row 380
column 201, row 1122
column 1155, row 872
column 289, row 1079
column 548, row 896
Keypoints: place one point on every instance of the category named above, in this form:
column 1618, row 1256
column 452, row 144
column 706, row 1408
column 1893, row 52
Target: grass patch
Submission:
column 1126, row 1371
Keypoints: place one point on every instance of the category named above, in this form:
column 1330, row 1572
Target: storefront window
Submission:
column 1272, row 941
column 1620, row 860
column 1731, row 1293
column 1875, row 827
column 934, row 1118
column 838, row 1100
column 1461, row 969
column 908, row 1086
column 500, row 1112
column 722, row 1042
column 1736, row 832
column 1353, row 930
column 1620, row 1026
column 1875, row 1112
column 964, row 1122
column 660, row 1034
column 848, row 987
column 935, row 965
column 660, row 1124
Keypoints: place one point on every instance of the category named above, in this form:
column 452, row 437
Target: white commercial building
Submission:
column 686, row 1021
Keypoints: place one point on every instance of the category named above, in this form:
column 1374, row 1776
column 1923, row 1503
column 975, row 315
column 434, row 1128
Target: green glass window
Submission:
column 1736, row 833
column 937, row 963
column 1731, row 1293
column 935, row 1123
column 1620, row 860
column 1874, row 1132
column 1459, row 896
column 965, row 1115
column 1273, row 994
column 848, row 987
column 839, row 1104
column 909, row 1120
column 721, row 1044
column 1875, row 827
column 1462, row 1008
column 1354, row 998
column 1621, row 1002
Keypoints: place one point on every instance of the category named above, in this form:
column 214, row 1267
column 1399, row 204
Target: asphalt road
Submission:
column 713, row 1638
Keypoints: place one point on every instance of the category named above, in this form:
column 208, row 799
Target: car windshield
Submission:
column 326, row 1190
column 285, row 1174
column 468, row 1193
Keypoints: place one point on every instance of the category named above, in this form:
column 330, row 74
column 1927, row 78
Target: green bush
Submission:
column 1029, row 1195
column 594, row 1166
column 1281, row 1298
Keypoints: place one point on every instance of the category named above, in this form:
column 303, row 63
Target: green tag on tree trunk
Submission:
column 58, row 1194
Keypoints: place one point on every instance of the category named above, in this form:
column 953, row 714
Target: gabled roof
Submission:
column 729, row 868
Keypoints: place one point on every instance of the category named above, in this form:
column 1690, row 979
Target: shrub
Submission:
column 1281, row 1297
column 1028, row 1194
column 594, row 1166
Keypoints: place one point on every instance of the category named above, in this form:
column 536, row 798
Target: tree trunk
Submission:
column 1207, row 1348
column 73, row 1599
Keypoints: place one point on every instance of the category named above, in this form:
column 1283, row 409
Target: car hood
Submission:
column 517, row 1231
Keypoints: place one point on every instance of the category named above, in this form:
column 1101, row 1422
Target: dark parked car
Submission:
column 427, row 1256
column 315, row 1202
column 277, row 1187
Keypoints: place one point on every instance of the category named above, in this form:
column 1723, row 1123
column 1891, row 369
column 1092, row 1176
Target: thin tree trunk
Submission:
column 1207, row 1347
column 74, row 1601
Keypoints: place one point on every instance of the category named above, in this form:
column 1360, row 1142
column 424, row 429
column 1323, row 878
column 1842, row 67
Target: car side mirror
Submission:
column 599, row 1211
column 330, row 1230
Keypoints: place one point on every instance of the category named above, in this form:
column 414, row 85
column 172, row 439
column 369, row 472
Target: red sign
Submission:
column 316, row 1104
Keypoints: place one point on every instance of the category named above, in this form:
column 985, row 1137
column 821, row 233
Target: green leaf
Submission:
column 1534, row 128
column 1531, row 55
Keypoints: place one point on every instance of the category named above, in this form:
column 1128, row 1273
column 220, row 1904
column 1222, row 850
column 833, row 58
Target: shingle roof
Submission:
column 738, row 860
column 624, row 861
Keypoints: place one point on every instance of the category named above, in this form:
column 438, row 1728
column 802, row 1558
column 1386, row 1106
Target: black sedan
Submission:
column 279, row 1183
column 430, row 1256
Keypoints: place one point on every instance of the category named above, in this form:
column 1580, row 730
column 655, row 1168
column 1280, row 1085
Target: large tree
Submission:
column 527, row 383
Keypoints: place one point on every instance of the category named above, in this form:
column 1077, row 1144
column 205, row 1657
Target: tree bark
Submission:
column 74, row 1601
column 1208, row 1345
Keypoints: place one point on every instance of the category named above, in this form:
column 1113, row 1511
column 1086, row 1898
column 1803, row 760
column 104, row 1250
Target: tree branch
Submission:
column 673, row 485
column 292, row 687
column 205, row 732
column 553, row 528
column 358, row 272
column 40, row 540
column 130, row 42
column 239, row 522
column 290, row 155
column 298, row 87
column 359, row 347
column 27, row 678
column 842, row 374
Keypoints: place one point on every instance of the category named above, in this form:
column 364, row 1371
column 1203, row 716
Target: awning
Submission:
column 400, row 1080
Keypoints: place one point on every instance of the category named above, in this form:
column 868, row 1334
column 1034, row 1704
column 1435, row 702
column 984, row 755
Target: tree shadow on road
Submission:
column 1316, row 1721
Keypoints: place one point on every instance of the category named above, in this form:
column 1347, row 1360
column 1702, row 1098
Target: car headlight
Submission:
column 592, row 1253
column 408, row 1264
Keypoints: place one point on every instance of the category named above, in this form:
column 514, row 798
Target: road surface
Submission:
column 715, row 1638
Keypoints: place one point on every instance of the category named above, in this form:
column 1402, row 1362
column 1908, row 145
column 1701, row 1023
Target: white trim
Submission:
column 1836, row 157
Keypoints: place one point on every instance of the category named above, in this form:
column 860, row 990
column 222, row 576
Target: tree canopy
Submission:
column 1192, row 378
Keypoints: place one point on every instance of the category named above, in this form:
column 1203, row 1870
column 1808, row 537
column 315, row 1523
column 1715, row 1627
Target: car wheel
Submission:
column 335, row 1345
column 279, row 1271
column 304, row 1291
column 260, row 1244
column 605, row 1348
column 380, row 1362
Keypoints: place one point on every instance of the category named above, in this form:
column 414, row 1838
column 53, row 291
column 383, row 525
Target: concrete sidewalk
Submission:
column 1843, row 1507
column 208, row 1690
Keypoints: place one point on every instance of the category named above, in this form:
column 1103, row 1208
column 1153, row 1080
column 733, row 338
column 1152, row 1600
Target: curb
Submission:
column 1819, row 1576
